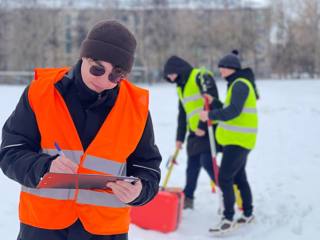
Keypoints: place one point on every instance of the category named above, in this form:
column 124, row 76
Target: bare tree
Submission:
column 296, row 44
column 5, row 23
column 38, row 33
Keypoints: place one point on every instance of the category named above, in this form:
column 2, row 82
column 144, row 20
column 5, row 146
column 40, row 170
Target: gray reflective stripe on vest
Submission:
column 249, row 110
column 191, row 98
column 99, row 199
column 71, row 154
column 53, row 193
column 237, row 128
column 194, row 112
column 245, row 109
column 103, row 165
column 123, row 170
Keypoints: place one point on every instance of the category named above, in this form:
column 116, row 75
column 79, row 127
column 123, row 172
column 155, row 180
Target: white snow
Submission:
column 283, row 169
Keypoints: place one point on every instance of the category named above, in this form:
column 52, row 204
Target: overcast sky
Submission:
column 83, row 3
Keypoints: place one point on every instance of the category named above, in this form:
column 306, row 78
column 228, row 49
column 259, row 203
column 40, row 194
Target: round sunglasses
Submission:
column 97, row 69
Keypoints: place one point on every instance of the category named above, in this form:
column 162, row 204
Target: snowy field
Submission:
column 283, row 169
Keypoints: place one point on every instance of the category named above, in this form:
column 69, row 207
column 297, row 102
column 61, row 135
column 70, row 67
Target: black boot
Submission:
column 188, row 203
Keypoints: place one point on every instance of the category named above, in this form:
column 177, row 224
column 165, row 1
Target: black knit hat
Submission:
column 112, row 42
column 231, row 61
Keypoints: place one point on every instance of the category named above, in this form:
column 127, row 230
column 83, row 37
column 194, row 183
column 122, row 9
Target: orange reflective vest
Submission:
column 99, row 211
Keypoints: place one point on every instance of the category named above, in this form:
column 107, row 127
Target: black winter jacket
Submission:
column 21, row 158
column 195, row 144
column 240, row 92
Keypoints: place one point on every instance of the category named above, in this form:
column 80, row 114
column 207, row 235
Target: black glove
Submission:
column 206, row 80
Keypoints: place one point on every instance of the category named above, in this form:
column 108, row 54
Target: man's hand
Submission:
column 63, row 164
column 204, row 116
column 210, row 98
column 199, row 132
column 125, row 191
column 179, row 144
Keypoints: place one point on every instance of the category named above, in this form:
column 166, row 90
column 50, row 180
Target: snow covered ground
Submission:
column 283, row 169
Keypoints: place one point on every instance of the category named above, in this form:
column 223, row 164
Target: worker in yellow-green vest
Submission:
column 236, row 132
column 191, row 103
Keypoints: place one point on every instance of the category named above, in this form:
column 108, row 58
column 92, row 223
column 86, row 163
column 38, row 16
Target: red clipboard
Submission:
column 82, row 181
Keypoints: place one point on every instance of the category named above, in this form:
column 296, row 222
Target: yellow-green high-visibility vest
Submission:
column 242, row 130
column 192, row 99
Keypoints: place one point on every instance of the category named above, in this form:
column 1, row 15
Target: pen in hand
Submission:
column 61, row 153
column 62, row 164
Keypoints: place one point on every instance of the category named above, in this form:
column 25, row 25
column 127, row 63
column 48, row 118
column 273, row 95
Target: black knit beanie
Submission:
column 111, row 42
column 231, row 61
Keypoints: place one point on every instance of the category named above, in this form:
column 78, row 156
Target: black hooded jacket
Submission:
column 195, row 144
column 21, row 158
column 240, row 93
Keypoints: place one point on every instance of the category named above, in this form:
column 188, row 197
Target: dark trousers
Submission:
column 232, row 171
column 74, row 232
column 193, row 169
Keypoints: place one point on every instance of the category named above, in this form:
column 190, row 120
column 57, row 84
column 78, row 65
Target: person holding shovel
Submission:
column 191, row 103
column 236, row 132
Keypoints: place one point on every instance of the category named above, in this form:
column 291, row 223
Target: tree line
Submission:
column 279, row 40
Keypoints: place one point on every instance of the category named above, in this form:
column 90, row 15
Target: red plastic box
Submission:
column 162, row 214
